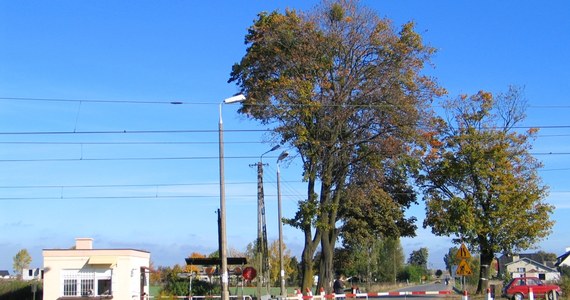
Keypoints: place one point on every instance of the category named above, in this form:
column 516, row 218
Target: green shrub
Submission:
column 565, row 285
column 411, row 273
column 179, row 287
column 20, row 290
column 565, row 271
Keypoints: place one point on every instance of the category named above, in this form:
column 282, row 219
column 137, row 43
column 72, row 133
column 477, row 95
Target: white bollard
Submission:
column 530, row 294
column 488, row 297
column 465, row 296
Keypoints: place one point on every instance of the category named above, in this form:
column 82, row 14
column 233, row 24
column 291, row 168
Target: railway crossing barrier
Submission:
column 323, row 296
column 298, row 295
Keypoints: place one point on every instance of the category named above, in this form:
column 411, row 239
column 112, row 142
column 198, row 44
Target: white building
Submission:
column 32, row 274
column 526, row 267
column 119, row 274
column 564, row 259
column 4, row 274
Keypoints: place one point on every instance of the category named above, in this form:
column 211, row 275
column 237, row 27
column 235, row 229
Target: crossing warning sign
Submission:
column 464, row 269
column 463, row 252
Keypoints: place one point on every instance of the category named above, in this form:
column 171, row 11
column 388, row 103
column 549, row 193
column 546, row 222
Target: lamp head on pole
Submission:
column 270, row 150
column 234, row 99
column 282, row 156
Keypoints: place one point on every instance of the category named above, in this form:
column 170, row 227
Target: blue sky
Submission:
column 145, row 175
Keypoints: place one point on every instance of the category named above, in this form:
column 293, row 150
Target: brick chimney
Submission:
column 83, row 243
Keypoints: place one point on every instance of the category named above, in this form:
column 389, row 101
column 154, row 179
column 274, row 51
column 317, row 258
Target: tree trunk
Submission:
column 487, row 256
column 307, row 268
column 326, row 275
column 330, row 198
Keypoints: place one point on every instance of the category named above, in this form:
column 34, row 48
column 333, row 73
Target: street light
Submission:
column 223, row 239
column 282, row 272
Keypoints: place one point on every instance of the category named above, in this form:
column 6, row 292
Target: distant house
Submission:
column 101, row 273
column 32, row 274
column 4, row 274
column 506, row 259
column 564, row 259
column 526, row 267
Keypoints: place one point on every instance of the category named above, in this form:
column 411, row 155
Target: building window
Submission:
column 87, row 282
column 104, row 287
column 69, row 287
column 87, row 287
column 521, row 270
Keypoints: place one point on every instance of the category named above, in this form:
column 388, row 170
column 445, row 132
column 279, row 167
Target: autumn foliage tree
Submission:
column 342, row 87
column 481, row 184
column 289, row 262
column 192, row 268
column 21, row 260
column 274, row 262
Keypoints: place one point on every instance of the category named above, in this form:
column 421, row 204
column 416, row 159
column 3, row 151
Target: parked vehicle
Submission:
column 519, row 288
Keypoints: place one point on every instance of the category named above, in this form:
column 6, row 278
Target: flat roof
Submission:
column 98, row 249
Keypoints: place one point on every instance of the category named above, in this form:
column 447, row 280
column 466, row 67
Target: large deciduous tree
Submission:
column 419, row 258
column 344, row 89
column 481, row 184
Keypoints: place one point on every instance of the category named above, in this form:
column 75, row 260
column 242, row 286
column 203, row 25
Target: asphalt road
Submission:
column 427, row 287
column 430, row 287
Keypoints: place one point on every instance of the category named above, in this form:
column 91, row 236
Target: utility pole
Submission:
column 262, row 248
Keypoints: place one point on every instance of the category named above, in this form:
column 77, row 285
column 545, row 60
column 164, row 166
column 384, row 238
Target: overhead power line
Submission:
column 248, row 196
column 128, row 131
column 123, row 158
column 169, row 102
column 129, row 185
column 550, row 153
column 76, row 159
column 124, row 143
column 178, row 101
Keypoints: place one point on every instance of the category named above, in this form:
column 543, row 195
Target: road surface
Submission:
column 430, row 291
